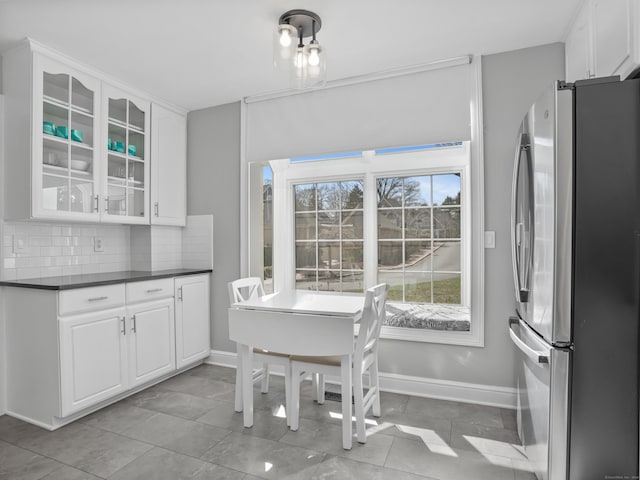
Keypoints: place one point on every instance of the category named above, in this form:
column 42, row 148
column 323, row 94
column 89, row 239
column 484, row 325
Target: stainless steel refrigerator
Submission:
column 576, row 261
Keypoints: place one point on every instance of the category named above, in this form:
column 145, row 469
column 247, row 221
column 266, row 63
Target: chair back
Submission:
column 245, row 289
column 373, row 315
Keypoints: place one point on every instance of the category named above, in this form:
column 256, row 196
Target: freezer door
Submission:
column 542, row 415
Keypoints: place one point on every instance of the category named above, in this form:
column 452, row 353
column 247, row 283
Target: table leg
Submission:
column 238, row 402
column 347, row 387
column 247, row 383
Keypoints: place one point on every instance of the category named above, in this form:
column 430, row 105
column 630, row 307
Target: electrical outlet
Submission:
column 489, row 239
column 98, row 244
column 19, row 243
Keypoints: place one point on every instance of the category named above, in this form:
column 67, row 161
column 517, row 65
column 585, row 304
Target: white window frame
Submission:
column 369, row 168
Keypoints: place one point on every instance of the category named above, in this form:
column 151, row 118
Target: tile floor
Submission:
column 185, row 428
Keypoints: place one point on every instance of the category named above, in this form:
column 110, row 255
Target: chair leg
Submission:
column 359, row 407
column 294, row 395
column 238, row 405
column 374, row 382
column 287, row 393
column 319, row 387
column 265, row 379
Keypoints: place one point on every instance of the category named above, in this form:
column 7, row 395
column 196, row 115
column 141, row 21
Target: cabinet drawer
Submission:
column 91, row 298
column 149, row 290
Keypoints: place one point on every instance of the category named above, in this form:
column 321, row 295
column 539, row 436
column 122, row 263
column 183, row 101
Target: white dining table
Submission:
column 297, row 323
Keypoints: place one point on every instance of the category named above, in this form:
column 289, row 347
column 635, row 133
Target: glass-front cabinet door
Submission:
column 126, row 157
column 65, row 158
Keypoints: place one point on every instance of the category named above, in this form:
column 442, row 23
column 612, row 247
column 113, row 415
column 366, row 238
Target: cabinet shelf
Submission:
column 121, row 124
column 59, row 103
column 61, row 171
column 47, row 137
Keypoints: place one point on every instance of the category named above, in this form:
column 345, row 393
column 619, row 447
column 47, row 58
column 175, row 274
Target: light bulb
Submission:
column 301, row 58
column 314, row 55
column 285, row 37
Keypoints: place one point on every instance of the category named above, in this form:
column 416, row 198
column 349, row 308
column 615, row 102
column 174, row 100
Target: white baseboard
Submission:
column 491, row 395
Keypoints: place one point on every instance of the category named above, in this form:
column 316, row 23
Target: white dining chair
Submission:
column 365, row 360
column 246, row 289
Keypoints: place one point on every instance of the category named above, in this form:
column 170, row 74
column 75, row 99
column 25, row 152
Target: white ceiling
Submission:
column 199, row 53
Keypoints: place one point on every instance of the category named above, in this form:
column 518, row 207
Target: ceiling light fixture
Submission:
column 306, row 64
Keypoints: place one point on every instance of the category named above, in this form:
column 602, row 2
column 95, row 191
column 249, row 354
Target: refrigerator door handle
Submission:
column 520, row 244
column 538, row 357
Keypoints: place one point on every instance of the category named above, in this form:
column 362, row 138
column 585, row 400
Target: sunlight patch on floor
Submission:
column 485, row 447
column 338, row 416
column 280, row 412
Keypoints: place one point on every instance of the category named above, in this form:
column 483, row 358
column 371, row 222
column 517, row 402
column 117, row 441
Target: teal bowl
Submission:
column 118, row 147
column 49, row 128
column 62, row 131
column 76, row 135
column 132, row 149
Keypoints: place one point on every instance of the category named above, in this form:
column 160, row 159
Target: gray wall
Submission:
column 213, row 185
column 511, row 82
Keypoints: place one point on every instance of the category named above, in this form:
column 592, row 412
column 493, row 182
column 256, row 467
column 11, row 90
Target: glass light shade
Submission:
column 298, row 71
column 316, row 75
column 284, row 45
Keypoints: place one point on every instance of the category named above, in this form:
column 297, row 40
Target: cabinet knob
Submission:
column 133, row 325
column 96, row 205
column 106, row 204
column 124, row 327
column 156, row 208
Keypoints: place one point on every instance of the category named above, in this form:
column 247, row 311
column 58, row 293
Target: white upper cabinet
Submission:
column 578, row 58
column 78, row 145
column 603, row 40
column 52, row 164
column 125, row 151
column 168, row 166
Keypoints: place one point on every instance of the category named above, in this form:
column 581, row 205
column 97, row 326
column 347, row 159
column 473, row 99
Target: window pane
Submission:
column 267, row 228
column 328, row 225
column 351, row 195
column 389, row 192
column 446, row 222
column 418, row 256
column 390, row 223
column 306, row 255
column 352, row 281
column 305, row 197
column 306, row 280
column 389, row 254
column 305, row 226
column 417, row 223
column 446, row 189
column 352, row 225
column 329, row 280
column 396, row 282
column 328, row 196
column 447, row 256
column 417, row 287
column 352, row 256
column 417, row 191
column 446, row 288
column 328, row 255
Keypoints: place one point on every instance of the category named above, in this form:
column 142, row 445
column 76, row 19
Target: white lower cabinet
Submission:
column 151, row 339
column 192, row 319
column 93, row 359
column 70, row 350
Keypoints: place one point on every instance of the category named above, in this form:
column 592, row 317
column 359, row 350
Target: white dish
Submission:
column 79, row 164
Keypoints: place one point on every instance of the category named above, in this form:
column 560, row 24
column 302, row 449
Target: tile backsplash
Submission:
column 53, row 249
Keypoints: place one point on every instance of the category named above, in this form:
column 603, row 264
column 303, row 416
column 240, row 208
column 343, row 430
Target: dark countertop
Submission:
column 68, row 282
